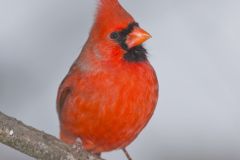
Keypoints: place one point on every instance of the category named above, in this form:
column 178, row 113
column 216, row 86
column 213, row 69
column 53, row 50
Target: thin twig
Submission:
column 127, row 154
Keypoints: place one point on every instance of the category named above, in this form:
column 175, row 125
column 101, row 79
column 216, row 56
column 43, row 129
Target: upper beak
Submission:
column 137, row 37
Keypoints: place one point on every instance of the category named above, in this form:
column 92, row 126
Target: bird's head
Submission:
column 116, row 35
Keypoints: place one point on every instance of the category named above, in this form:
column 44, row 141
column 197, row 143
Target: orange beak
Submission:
column 137, row 37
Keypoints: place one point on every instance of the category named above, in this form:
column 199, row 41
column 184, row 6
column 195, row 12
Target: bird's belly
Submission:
column 110, row 127
column 110, row 117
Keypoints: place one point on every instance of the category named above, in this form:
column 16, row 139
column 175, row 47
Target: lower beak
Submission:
column 137, row 37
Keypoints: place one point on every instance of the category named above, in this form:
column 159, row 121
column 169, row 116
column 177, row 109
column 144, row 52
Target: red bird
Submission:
column 111, row 90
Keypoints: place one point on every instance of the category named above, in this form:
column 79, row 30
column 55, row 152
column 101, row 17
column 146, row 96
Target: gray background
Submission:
column 195, row 51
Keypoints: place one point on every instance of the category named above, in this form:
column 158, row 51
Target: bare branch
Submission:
column 36, row 143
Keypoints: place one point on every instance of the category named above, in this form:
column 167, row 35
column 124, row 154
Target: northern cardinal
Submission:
column 111, row 90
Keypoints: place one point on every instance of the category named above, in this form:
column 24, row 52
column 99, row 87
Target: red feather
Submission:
column 106, row 100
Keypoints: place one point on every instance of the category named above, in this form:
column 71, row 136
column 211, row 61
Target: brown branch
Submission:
column 36, row 143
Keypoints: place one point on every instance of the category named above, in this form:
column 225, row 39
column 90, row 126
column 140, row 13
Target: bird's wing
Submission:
column 62, row 97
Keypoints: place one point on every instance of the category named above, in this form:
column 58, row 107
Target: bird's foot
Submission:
column 98, row 155
column 127, row 154
column 78, row 146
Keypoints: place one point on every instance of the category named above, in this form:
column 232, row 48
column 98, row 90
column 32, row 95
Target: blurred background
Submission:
column 195, row 51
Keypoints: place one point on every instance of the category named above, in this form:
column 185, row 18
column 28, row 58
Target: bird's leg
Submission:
column 78, row 145
column 98, row 154
column 127, row 154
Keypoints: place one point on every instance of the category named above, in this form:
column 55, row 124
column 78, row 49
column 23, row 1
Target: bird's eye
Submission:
column 114, row 35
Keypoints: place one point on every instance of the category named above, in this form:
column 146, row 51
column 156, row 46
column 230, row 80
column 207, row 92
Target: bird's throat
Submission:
column 135, row 54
